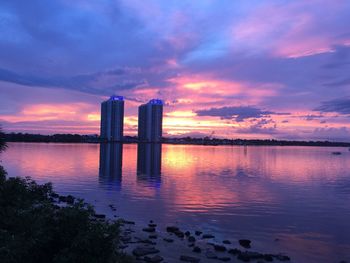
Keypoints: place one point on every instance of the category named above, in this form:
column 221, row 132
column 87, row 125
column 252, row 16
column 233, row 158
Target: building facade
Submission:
column 112, row 119
column 150, row 121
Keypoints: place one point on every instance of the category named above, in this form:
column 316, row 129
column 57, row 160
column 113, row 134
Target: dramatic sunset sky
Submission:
column 236, row 69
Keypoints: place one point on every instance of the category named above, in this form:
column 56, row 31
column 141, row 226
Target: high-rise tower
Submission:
column 150, row 121
column 112, row 119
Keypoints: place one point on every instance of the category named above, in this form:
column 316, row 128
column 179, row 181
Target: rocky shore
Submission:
column 150, row 243
column 172, row 244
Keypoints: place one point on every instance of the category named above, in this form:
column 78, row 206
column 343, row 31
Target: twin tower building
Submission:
column 150, row 120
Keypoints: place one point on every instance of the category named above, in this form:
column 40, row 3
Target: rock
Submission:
column 198, row 233
column 224, row 258
column 189, row 259
column 122, row 246
column 197, row 250
column 149, row 229
column 146, row 241
column 187, row 233
column 153, row 236
column 253, row 255
column 125, row 239
column 151, row 221
column 219, row 248
column 234, row 251
column 244, row 257
column 169, row 240
column 227, row 242
column 281, row 257
column 191, row 239
column 172, row 229
column 245, row 243
column 191, row 245
column 123, row 221
column 143, row 251
column 207, row 236
column 179, row 234
column 152, row 225
column 101, row 216
column 268, row 257
column 210, row 254
column 154, row 259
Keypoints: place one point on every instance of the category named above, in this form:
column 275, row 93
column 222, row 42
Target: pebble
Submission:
column 227, row 242
column 191, row 239
column 207, row 236
column 189, row 259
column 198, row 233
column 210, row 254
column 244, row 243
column 149, row 229
column 169, row 240
column 155, row 259
column 197, row 250
column 224, row 258
column 219, row 248
column 143, row 251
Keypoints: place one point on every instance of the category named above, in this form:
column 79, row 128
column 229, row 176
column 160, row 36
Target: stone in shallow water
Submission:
column 224, row 259
column 169, row 240
column 191, row 239
column 210, row 254
column 234, row 251
column 189, row 259
column 281, row 257
column 227, row 242
column 219, row 248
column 245, row 243
column 143, row 251
column 187, row 233
column 207, row 236
column 197, row 250
column 154, row 259
column 172, row 229
column 149, row 229
column 198, row 233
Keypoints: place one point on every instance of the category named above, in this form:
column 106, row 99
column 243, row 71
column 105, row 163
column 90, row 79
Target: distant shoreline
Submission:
column 77, row 138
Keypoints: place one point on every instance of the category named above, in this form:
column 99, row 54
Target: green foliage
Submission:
column 2, row 141
column 34, row 229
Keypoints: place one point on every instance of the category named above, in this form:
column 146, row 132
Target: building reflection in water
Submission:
column 149, row 162
column 111, row 159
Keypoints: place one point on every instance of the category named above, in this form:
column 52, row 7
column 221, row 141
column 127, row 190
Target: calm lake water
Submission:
column 285, row 199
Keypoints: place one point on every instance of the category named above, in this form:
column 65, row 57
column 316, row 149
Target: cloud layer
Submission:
column 229, row 68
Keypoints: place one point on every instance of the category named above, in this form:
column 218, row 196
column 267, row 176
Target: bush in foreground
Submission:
column 34, row 229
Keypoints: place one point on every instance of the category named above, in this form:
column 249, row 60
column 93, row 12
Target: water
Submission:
column 285, row 199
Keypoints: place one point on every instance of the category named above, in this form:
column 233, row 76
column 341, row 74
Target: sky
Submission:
column 227, row 69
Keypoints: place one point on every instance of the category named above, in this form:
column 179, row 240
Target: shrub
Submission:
column 34, row 229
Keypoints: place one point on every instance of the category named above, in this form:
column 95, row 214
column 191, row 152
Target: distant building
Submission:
column 112, row 119
column 150, row 121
